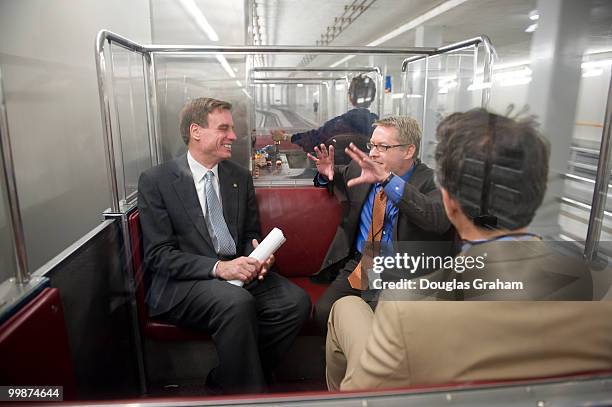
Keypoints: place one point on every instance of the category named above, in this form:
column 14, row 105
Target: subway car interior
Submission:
column 90, row 97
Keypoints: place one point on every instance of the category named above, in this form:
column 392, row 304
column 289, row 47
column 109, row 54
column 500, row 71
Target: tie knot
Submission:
column 209, row 175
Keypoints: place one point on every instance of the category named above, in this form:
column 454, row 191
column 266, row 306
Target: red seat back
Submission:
column 34, row 347
column 308, row 217
column 136, row 247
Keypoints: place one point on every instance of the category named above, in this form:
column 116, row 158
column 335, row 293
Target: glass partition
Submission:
column 133, row 151
column 8, row 262
column 8, row 259
column 183, row 77
column 281, row 105
column 439, row 85
column 584, row 154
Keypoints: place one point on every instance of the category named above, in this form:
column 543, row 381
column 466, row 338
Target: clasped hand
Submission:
column 244, row 268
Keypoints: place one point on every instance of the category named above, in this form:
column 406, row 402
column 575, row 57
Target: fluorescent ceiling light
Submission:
column 516, row 81
column 533, row 15
column 300, row 85
column 602, row 63
column 246, row 93
column 408, row 96
column 423, row 18
column 443, row 91
column 343, row 60
column 414, row 23
column 198, row 17
column 515, row 73
column 226, row 65
column 592, row 72
column 239, row 83
column 531, row 28
column 479, row 85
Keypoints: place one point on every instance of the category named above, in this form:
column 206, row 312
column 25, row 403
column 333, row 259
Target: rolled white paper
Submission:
column 266, row 248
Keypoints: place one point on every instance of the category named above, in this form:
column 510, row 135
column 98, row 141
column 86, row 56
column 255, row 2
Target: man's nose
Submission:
column 232, row 135
column 373, row 152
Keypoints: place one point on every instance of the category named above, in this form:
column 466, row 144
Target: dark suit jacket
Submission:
column 178, row 250
column 421, row 214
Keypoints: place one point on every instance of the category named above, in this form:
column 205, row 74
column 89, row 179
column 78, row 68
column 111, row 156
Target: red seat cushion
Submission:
column 308, row 217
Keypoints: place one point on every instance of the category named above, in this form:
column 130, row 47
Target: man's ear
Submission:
column 410, row 151
column 450, row 205
column 194, row 131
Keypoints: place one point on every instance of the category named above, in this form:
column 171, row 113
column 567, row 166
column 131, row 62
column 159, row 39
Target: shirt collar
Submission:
column 198, row 170
column 408, row 173
column 405, row 177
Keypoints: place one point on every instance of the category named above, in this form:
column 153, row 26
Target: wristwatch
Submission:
column 387, row 180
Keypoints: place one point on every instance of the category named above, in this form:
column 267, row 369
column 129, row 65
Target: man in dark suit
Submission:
column 199, row 221
column 412, row 208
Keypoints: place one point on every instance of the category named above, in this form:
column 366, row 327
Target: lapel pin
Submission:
column 235, row 185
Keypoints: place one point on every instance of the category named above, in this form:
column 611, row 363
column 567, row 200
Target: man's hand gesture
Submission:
column 371, row 172
column 324, row 161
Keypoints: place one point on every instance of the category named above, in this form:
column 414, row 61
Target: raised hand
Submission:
column 371, row 172
column 324, row 161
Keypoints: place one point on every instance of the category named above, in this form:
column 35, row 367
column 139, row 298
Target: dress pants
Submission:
column 252, row 326
column 339, row 288
column 350, row 324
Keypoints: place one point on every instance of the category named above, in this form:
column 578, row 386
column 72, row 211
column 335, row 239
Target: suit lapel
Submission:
column 185, row 189
column 229, row 188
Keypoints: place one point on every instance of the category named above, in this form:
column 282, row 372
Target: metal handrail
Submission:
column 602, row 180
column 481, row 39
column 297, row 80
column 490, row 56
column 316, row 69
column 285, row 49
column 8, row 172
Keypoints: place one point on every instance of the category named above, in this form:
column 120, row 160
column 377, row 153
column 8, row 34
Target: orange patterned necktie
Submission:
column 356, row 280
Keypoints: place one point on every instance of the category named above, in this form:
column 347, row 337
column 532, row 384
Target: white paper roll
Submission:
column 266, row 248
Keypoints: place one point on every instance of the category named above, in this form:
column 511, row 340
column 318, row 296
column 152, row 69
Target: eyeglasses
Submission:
column 381, row 148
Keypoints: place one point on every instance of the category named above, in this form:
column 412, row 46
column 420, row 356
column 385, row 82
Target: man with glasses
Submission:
column 391, row 196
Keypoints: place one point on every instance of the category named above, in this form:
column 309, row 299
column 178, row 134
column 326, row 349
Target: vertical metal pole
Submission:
column 152, row 112
column 425, row 101
column 600, row 192
column 23, row 274
column 105, row 111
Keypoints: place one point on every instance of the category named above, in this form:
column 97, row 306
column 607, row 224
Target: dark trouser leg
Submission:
column 282, row 308
column 339, row 288
column 229, row 314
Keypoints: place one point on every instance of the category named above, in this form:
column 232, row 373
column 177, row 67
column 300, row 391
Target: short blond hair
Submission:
column 408, row 130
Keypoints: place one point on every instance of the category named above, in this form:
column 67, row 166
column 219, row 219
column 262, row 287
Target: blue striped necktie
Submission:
column 225, row 243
